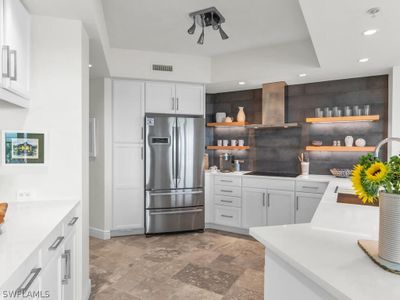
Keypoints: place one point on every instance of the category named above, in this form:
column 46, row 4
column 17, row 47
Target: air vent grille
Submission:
column 162, row 68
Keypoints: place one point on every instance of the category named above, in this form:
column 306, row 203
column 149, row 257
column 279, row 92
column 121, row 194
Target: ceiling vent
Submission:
column 163, row 68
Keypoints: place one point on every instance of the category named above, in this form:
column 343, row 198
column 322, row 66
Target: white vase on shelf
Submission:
column 348, row 141
column 241, row 117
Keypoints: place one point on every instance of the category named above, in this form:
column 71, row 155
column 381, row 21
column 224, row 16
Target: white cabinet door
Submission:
column 51, row 278
column 68, row 269
column 280, row 207
column 128, row 194
column 190, row 99
column 16, row 43
column 160, row 97
column 306, row 205
column 254, row 210
column 128, row 114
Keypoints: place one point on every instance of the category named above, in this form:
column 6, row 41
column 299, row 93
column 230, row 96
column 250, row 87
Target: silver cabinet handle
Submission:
column 14, row 76
column 73, row 221
column 226, row 216
column 173, row 103
column 56, row 243
column 176, row 212
column 263, row 199
column 268, row 202
column 5, row 57
column 310, row 187
column 226, row 201
column 67, row 272
column 141, row 153
column 297, row 203
column 141, row 133
column 336, row 189
column 224, row 180
column 226, row 191
column 29, row 280
column 177, row 103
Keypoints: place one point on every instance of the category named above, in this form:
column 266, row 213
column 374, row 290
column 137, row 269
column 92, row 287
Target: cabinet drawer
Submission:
column 52, row 244
column 311, row 187
column 269, row 183
column 228, row 201
column 228, row 180
column 70, row 222
column 233, row 191
column 229, row 216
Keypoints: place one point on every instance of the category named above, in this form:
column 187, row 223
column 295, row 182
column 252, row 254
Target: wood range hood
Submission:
column 273, row 107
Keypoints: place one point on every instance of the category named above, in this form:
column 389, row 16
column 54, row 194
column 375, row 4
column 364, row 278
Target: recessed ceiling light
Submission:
column 370, row 32
column 241, row 83
column 302, row 75
column 363, row 60
column 90, row 66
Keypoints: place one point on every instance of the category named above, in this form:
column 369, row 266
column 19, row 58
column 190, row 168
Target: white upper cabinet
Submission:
column 171, row 98
column 189, row 99
column 15, row 60
column 128, row 100
column 160, row 97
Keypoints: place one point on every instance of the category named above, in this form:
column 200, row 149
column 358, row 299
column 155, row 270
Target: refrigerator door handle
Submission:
column 174, row 212
column 177, row 193
column 173, row 155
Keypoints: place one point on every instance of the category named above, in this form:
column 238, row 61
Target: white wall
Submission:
column 59, row 100
column 138, row 64
column 394, row 109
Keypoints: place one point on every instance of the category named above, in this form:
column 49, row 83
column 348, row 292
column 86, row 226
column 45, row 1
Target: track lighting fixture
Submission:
column 205, row 18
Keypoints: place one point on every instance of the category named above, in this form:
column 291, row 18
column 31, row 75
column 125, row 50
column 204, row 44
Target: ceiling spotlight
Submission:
column 373, row 11
column 370, row 32
column 209, row 17
column 193, row 27
column 241, row 83
column 363, row 60
column 302, row 75
column 90, row 66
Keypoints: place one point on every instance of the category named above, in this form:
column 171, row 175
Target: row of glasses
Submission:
column 347, row 111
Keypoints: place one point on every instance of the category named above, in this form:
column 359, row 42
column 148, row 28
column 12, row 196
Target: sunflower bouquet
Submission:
column 371, row 176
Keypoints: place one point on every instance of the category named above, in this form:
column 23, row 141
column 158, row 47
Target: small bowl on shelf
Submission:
column 316, row 143
column 341, row 173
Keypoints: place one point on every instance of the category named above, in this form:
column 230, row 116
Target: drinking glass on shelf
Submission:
column 367, row 110
column 347, row 111
column 219, row 143
column 327, row 112
column 356, row 110
column 319, row 112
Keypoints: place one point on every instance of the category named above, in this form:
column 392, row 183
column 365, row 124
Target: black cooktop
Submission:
column 258, row 173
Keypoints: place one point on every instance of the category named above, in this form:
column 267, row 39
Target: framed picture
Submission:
column 23, row 148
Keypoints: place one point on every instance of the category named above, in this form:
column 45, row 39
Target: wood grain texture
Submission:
column 343, row 119
column 340, row 149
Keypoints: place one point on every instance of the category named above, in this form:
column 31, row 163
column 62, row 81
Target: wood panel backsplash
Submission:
column 277, row 149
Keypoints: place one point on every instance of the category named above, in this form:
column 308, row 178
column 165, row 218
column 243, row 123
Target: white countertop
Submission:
column 326, row 250
column 26, row 225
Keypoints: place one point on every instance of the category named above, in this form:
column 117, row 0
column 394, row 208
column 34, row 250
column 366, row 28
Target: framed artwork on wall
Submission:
column 23, row 148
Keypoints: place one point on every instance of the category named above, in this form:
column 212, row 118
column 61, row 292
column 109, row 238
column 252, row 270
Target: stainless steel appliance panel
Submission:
column 190, row 151
column 172, row 220
column 160, row 152
column 174, row 198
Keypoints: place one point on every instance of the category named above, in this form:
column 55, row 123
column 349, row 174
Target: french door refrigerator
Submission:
column 174, row 176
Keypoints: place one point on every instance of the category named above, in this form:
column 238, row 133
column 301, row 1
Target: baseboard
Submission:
column 88, row 289
column 99, row 233
column 127, row 231
column 227, row 228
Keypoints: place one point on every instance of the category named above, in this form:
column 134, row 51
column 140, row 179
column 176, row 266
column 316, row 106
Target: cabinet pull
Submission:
column 177, row 103
column 14, row 76
column 224, row 180
column 56, row 243
column 297, row 203
column 29, row 280
column 141, row 133
column 173, row 103
column 67, row 272
column 227, row 201
column 227, row 216
column 73, row 221
column 336, row 189
column 141, row 153
column 263, row 199
column 6, row 61
column 310, row 187
column 268, row 202
column 226, row 191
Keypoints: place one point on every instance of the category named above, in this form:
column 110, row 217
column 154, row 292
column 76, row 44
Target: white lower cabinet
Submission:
column 51, row 278
column 254, row 207
column 68, row 269
column 280, row 207
column 306, row 205
column 228, row 216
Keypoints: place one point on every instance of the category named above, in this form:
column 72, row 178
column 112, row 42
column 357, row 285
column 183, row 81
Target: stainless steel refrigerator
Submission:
column 174, row 176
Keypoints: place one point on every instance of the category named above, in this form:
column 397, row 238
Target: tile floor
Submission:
column 209, row 265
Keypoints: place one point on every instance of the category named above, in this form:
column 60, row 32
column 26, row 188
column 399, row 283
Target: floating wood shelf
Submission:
column 230, row 124
column 340, row 149
column 228, row 147
column 343, row 119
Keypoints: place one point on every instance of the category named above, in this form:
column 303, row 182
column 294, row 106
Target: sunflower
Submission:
column 376, row 172
column 357, row 181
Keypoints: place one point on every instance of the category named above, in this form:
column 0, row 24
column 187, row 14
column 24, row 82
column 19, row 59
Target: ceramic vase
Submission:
column 389, row 227
column 241, row 117
column 348, row 141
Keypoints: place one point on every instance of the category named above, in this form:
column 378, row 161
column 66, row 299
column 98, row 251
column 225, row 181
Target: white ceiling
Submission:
column 160, row 25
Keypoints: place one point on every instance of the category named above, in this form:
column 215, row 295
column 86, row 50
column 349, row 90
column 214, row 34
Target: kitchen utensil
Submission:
column 305, row 168
column 360, row 142
column 219, row 143
column 348, row 141
column 241, row 143
column 233, row 142
column 220, row 117
column 341, row 173
column 225, row 143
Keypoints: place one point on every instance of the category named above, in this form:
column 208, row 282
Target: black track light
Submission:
column 193, row 27
column 200, row 41
column 224, row 36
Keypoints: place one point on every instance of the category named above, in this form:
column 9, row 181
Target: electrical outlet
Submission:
column 24, row 195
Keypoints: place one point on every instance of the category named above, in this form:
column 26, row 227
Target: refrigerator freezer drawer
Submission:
column 173, row 220
column 175, row 198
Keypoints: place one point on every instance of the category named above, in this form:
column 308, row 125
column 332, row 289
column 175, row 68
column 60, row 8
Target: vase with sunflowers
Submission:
column 377, row 181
